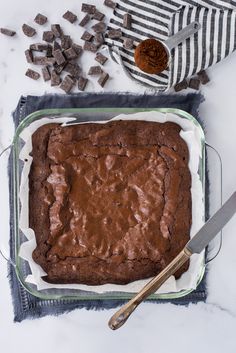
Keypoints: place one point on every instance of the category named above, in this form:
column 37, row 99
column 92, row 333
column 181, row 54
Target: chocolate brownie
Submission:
column 109, row 203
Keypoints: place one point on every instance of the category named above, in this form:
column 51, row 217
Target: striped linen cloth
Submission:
column 162, row 18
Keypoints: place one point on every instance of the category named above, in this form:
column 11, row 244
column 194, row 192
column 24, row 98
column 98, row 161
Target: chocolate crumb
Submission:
column 28, row 31
column 48, row 36
column 29, row 56
column 58, row 55
column 56, row 30
column 128, row 43
column 40, row 19
column 82, row 82
column 203, row 77
column 7, row 32
column 70, row 16
column 95, row 70
column 70, row 54
column 101, row 58
column 87, row 36
column 99, row 16
column 85, row 20
column 55, row 78
column 66, row 42
column 32, row 74
column 90, row 9
column 46, row 73
column 114, row 33
column 67, row 84
column 194, row 83
column 181, row 85
column 90, row 47
column 99, row 27
column 110, row 3
column 103, row 79
column 127, row 21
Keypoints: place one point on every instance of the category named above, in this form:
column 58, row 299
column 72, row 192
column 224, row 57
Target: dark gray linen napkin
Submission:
column 27, row 306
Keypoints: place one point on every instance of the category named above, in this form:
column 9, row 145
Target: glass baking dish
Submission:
column 82, row 115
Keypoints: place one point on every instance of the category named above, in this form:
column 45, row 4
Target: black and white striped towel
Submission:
column 162, row 18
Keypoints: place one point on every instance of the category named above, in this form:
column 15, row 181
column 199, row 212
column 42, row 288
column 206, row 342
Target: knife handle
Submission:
column 120, row 317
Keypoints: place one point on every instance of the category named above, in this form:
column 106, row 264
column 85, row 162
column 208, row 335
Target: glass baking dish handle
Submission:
column 218, row 157
column 3, row 252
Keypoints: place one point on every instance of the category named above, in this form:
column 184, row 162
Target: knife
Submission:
column 195, row 246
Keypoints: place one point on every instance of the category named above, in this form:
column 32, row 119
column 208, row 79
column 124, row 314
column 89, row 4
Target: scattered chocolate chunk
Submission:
column 85, row 20
column 99, row 16
column 82, row 82
column 59, row 57
column 90, row 9
column 99, row 27
column 67, row 84
column 203, row 77
column 28, row 31
column 55, row 79
column 73, row 69
column 103, row 79
column 114, row 33
column 56, row 30
column 40, row 19
column 46, row 73
column 66, row 42
column 59, row 68
column 39, row 46
column 128, row 43
column 99, row 39
column 127, row 21
column 95, row 70
column 110, row 3
column 181, row 85
column 101, row 58
column 70, row 54
column 87, row 36
column 77, row 48
column 48, row 36
column 43, row 60
column 49, row 51
column 70, row 16
column 32, row 74
column 29, row 56
column 7, row 32
column 90, row 47
column 194, row 83
column 56, row 46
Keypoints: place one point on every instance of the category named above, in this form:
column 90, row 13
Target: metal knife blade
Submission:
column 212, row 227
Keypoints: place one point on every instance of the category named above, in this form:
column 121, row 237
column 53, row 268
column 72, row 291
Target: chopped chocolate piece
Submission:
column 39, row 46
column 46, row 73
column 56, row 46
column 43, row 60
column 70, row 54
column 29, row 56
column 82, row 82
column 87, row 36
column 55, row 78
column 28, row 31
column 59, row 68
column 95, row 70
column 114, row 33
column 66, row 42
column 99, row 27
column 58, row 55
column 67, row 84
column 181, row 85
column 7, row 32
column 85, row 20
column 203, row 77
column 110, row 3
column 32, row 74
column 40, row 19
column 48, row 36
column 56, row 30
column 49, row 51
column 127, row 21
column 70, row 16
column 73, row 69
column 101, row 58
column 128, row 43
column 194, row 83
column 99, row 16
column 103, row 79
column 99, row 39
column 77, row 48
column 90, row 47
column 90, row 9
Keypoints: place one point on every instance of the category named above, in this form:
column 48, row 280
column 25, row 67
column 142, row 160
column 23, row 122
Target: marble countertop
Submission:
column 164, row 328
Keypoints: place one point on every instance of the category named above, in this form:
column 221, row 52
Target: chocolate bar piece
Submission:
column 95, row 70
column 7, row 32
column 70, row 54
column 77, row 48
column 90, row 47
column 101, row 58
column 56, row 46
column 82, row 82
column 99, row 27
column 58, row 55
column 194, row 83
column 49, row 51
column 28, row 31
column 99, row 39
column 43, row 60
column 99, row 16
column 103, row 79
column 127, row 21
column 38, row 46
column 114, row 33
column 70, row 16
column 29, row 56
column 85, row 20
column 55, row 78
column 56, row 30
column 67, row 84
column 40, row 19
column 32, row 74
column 46, row 73
column 59, row 68
column 87, row 36
column 90, row 9
column 203, row 77
column 48, row 36
column 73, row 69
column 110, row 3
column 66, row 42
column 181, row 85
column 128, row 43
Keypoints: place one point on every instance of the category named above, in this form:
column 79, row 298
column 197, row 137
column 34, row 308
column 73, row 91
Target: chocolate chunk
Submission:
column 99, row 39
column 103, row 79
column 128, row 43
column 87, row 36
column 99, row 27
column 85, row 20
column 66, row 42
column 70, row 54
column 48, row 36
column 99, row 16
column 90, row 9
column 70, row 16
column 40, row 19
column 39, row 46
column 32, row 74
column 55, row 78
column 90, row 47
column 29, row 56
column 127, row 21
column 28, row 31
column 114, row 33
column 49, row 51
column 203, row 77
column 56, row 30
column 180, row 86
column 43, row 60
column 77, row 48
column 56, row 46
column 95, row 70
column 46, row 73
column 58, row 55
column 194, row 83
column 67, row 84
column 82, row 82
column 59, row 68
column 73, row 69
column 110, row 3
column 7, row 32
column 101, row 58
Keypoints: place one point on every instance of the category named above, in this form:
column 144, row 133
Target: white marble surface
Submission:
column 164, row 328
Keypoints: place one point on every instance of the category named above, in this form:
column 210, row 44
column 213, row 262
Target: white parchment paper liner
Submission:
column 190, row 133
